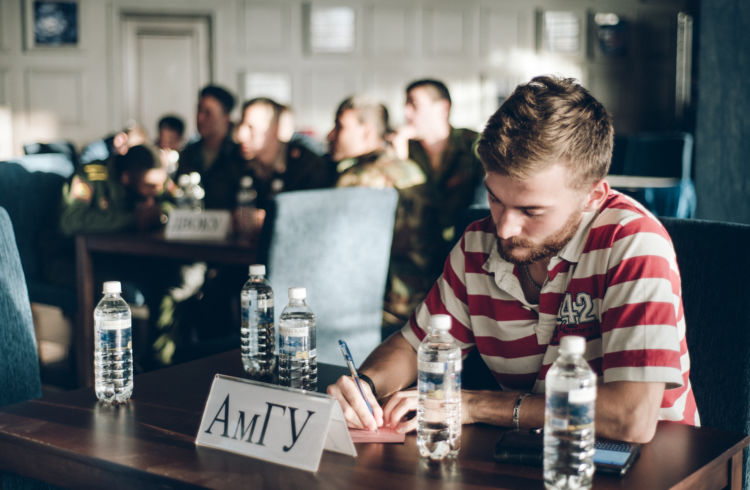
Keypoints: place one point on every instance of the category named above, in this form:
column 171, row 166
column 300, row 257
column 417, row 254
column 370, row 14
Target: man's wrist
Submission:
column 369, row 382
column 516, row 419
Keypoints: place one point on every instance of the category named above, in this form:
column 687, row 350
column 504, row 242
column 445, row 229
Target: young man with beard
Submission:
column 561, row 254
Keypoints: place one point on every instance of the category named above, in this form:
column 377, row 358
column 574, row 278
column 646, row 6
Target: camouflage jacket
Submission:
column 95, row 201
column 450, row 188
column 409, row 278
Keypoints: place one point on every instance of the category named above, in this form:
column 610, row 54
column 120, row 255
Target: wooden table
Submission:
column 230, row 251
column 70, row 440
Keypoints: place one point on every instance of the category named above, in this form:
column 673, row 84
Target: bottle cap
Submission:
column 112, row 287
column 257, row 270
column 572, row 344
column 297, row 293
column 246, row 182
column 440, row 322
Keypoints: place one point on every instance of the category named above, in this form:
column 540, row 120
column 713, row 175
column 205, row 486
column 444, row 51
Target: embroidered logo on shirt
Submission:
column 575, row 312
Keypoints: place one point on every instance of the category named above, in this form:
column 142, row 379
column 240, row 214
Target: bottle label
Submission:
column 439, row 367
column 264, row 304
column 293, row 331
column 582, row 395
column 114, row 324
column 557, row 423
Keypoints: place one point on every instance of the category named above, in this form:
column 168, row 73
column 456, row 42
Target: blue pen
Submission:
column 350, row 362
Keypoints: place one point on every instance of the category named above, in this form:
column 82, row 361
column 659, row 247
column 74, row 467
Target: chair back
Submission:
column 62, row 146
column 19, row 364
column 336, row 243
column 714, row 266
column 30, row 191
column 667, row 154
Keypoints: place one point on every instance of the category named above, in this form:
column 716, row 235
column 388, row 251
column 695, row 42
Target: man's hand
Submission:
column 248, row 222
column 148, row 215
column 354, row 407
column 400, row 411
column 399, row 140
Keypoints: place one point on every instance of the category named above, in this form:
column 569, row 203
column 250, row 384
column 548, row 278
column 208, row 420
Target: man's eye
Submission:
column 532, row 213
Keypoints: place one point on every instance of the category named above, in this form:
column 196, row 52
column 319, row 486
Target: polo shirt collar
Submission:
column 572, row 251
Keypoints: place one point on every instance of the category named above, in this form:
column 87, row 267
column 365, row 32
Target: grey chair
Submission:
column 19, row 364
column 336, row 243
column 714, row 267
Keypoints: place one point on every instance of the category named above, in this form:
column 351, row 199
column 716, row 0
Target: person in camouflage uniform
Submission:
column 358, row 144
column 126, row 192
column 454, row 174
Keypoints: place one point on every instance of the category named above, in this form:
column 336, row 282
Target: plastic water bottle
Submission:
column 196, row 192
column 298, row 358
column 570, row 396
column 246, row 197
column 113, row 347
column 439, row 385
column 182, row 196
column 257, row 333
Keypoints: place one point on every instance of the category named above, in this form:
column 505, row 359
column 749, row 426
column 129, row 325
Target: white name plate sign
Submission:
column 281, row 425
column 184, row 224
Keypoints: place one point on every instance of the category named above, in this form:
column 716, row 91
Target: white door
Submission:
column 166, row 61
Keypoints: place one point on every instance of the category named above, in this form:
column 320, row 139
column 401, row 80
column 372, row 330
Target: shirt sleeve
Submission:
column 643, row 328
column 448, row 296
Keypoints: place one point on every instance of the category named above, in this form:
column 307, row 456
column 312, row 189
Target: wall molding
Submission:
column 38, row 98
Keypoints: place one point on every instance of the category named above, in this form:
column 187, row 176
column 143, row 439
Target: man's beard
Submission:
column 533, row 252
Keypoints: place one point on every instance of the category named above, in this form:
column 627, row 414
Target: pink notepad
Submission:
column 383, row 435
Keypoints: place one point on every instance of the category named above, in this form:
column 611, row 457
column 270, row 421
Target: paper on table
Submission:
column 383, row 435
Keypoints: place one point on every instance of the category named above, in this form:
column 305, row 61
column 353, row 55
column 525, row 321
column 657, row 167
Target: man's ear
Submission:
column 445, row 107
column 597, row 195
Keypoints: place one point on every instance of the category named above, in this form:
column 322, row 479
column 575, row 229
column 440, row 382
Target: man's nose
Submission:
column 508, row 225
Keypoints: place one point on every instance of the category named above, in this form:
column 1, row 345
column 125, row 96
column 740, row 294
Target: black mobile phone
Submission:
column 615, row 457
column 526, row 447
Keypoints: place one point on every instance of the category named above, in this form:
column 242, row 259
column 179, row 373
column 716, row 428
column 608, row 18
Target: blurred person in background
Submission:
column 214, row 156
column 275, row 162
column 445, row 154
column 170, row 140
column 357, row 144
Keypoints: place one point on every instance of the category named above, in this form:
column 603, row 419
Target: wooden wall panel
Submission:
column 266, row 28
column 56, row 92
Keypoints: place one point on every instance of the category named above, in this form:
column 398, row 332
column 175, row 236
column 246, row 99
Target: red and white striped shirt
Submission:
column 616, row 283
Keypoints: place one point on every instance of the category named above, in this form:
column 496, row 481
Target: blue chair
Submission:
column 30, row 191
column 714, row 266
column 664, row 154
column 336, row 243
column 19, row 364
column 62, row 146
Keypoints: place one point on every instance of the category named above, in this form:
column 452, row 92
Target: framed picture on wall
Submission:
column 329, row 29
column 51, row 24
column 559, row 32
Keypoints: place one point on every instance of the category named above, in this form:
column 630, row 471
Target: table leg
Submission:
column 84, row 332
column 735, row 471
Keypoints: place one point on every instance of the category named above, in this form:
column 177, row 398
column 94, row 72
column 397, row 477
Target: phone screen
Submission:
column 607, row 456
